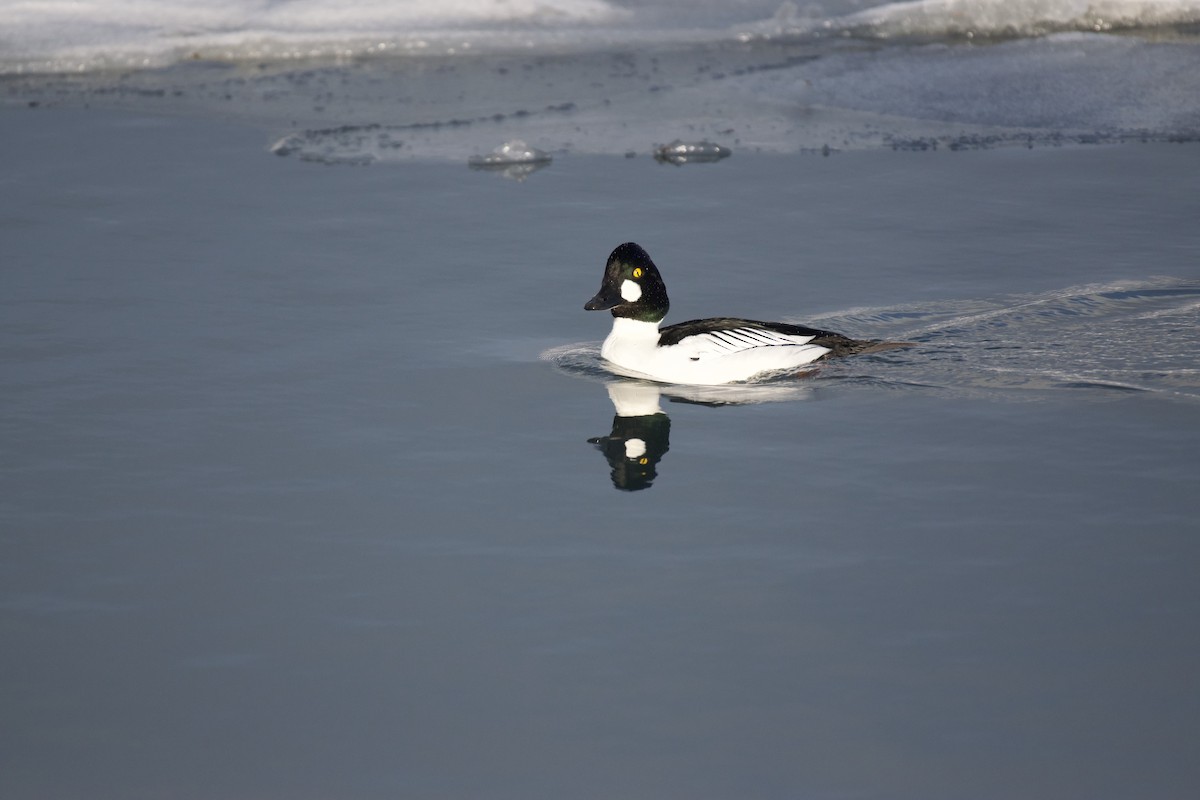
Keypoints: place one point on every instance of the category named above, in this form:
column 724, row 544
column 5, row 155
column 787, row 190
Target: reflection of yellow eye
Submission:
column 637, row 272
column 643, row 461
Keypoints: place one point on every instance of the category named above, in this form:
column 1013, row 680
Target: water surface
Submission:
column 294, row 506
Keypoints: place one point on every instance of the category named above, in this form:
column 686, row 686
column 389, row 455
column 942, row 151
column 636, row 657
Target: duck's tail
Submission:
column 845, row 346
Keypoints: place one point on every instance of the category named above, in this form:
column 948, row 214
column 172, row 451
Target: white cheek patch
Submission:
column 634, row 448
column 630, row 292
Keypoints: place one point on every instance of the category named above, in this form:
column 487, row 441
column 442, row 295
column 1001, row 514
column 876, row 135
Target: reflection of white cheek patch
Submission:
column 634, row 448
column 630, row 292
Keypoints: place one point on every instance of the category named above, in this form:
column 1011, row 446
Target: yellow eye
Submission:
column 643, row 461
column 637, row 272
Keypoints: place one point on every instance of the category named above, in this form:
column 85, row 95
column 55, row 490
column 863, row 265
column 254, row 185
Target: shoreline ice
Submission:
column 55, row 38
column 789, row 84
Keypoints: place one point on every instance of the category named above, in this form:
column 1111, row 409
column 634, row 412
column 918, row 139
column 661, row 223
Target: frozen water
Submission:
column 47, row 35
column 43, row 35
column 444, row 81
column 941, row 18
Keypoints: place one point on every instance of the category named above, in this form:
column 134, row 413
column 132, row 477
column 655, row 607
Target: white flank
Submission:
column 705, row 359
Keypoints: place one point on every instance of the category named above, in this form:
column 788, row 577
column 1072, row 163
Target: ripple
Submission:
column 1095, row 340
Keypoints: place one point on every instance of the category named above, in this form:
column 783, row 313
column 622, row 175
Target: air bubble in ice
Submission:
column 509, row 153
column 679, row 152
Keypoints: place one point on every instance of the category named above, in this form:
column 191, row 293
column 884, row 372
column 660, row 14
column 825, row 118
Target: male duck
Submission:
column 701, row 351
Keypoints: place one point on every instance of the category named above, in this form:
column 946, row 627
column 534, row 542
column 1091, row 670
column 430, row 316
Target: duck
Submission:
column 701, row 352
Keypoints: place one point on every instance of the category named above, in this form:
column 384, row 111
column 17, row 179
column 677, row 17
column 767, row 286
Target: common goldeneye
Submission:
column 701, row 351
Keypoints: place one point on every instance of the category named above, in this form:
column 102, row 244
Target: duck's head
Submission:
column 632, row 287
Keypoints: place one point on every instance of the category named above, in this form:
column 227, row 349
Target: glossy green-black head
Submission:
column 632, row 286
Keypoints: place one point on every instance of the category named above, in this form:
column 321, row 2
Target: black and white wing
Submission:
column 726, row 336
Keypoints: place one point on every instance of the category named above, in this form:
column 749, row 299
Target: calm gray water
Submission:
column 295, row 507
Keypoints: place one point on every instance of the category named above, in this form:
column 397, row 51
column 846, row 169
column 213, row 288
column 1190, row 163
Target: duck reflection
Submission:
column 641, row 435
column 641, row 430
